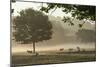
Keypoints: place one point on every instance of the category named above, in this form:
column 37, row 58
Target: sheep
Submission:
column 28, row 51
column 61, row 49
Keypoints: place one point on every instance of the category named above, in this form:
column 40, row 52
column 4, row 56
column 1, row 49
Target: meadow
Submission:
column 21, row 59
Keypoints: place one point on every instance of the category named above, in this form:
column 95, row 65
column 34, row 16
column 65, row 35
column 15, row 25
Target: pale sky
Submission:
column 18, row 6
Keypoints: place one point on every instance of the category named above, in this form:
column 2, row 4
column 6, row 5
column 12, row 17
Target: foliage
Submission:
column 32, row 26
column 77, row 11
column 80, row 12
column 69, row 20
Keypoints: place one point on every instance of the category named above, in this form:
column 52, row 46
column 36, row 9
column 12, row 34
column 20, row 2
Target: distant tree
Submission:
column 32, row 26
column 78, row 49
column 80, row 12
column 86, row 35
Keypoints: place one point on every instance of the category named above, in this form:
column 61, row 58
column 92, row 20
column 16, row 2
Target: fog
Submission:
column 64, row 36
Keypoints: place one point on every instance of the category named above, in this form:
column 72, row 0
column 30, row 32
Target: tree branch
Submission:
column 53, row 10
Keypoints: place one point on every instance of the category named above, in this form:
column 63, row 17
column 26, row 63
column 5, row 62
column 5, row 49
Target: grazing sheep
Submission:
column 61, row 49
column 28, row 51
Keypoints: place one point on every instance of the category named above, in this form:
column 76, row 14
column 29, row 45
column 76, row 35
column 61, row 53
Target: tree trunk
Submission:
column 33, row 47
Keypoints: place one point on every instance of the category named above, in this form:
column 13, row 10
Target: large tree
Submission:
column 32, row 26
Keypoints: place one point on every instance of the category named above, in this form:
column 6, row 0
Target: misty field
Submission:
column 52, row 58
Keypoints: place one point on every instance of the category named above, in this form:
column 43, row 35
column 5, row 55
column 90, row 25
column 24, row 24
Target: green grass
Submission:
column 50, row 59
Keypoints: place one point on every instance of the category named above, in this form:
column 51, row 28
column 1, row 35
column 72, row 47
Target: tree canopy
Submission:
column 32, row 25
column 80, row 12
column 77, row 11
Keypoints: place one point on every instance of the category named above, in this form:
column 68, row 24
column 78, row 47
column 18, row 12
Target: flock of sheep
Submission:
column 78, row 49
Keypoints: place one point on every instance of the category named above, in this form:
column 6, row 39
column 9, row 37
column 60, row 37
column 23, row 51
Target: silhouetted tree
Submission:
column 77, row 11
column 78, row 49
column 32, row 26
